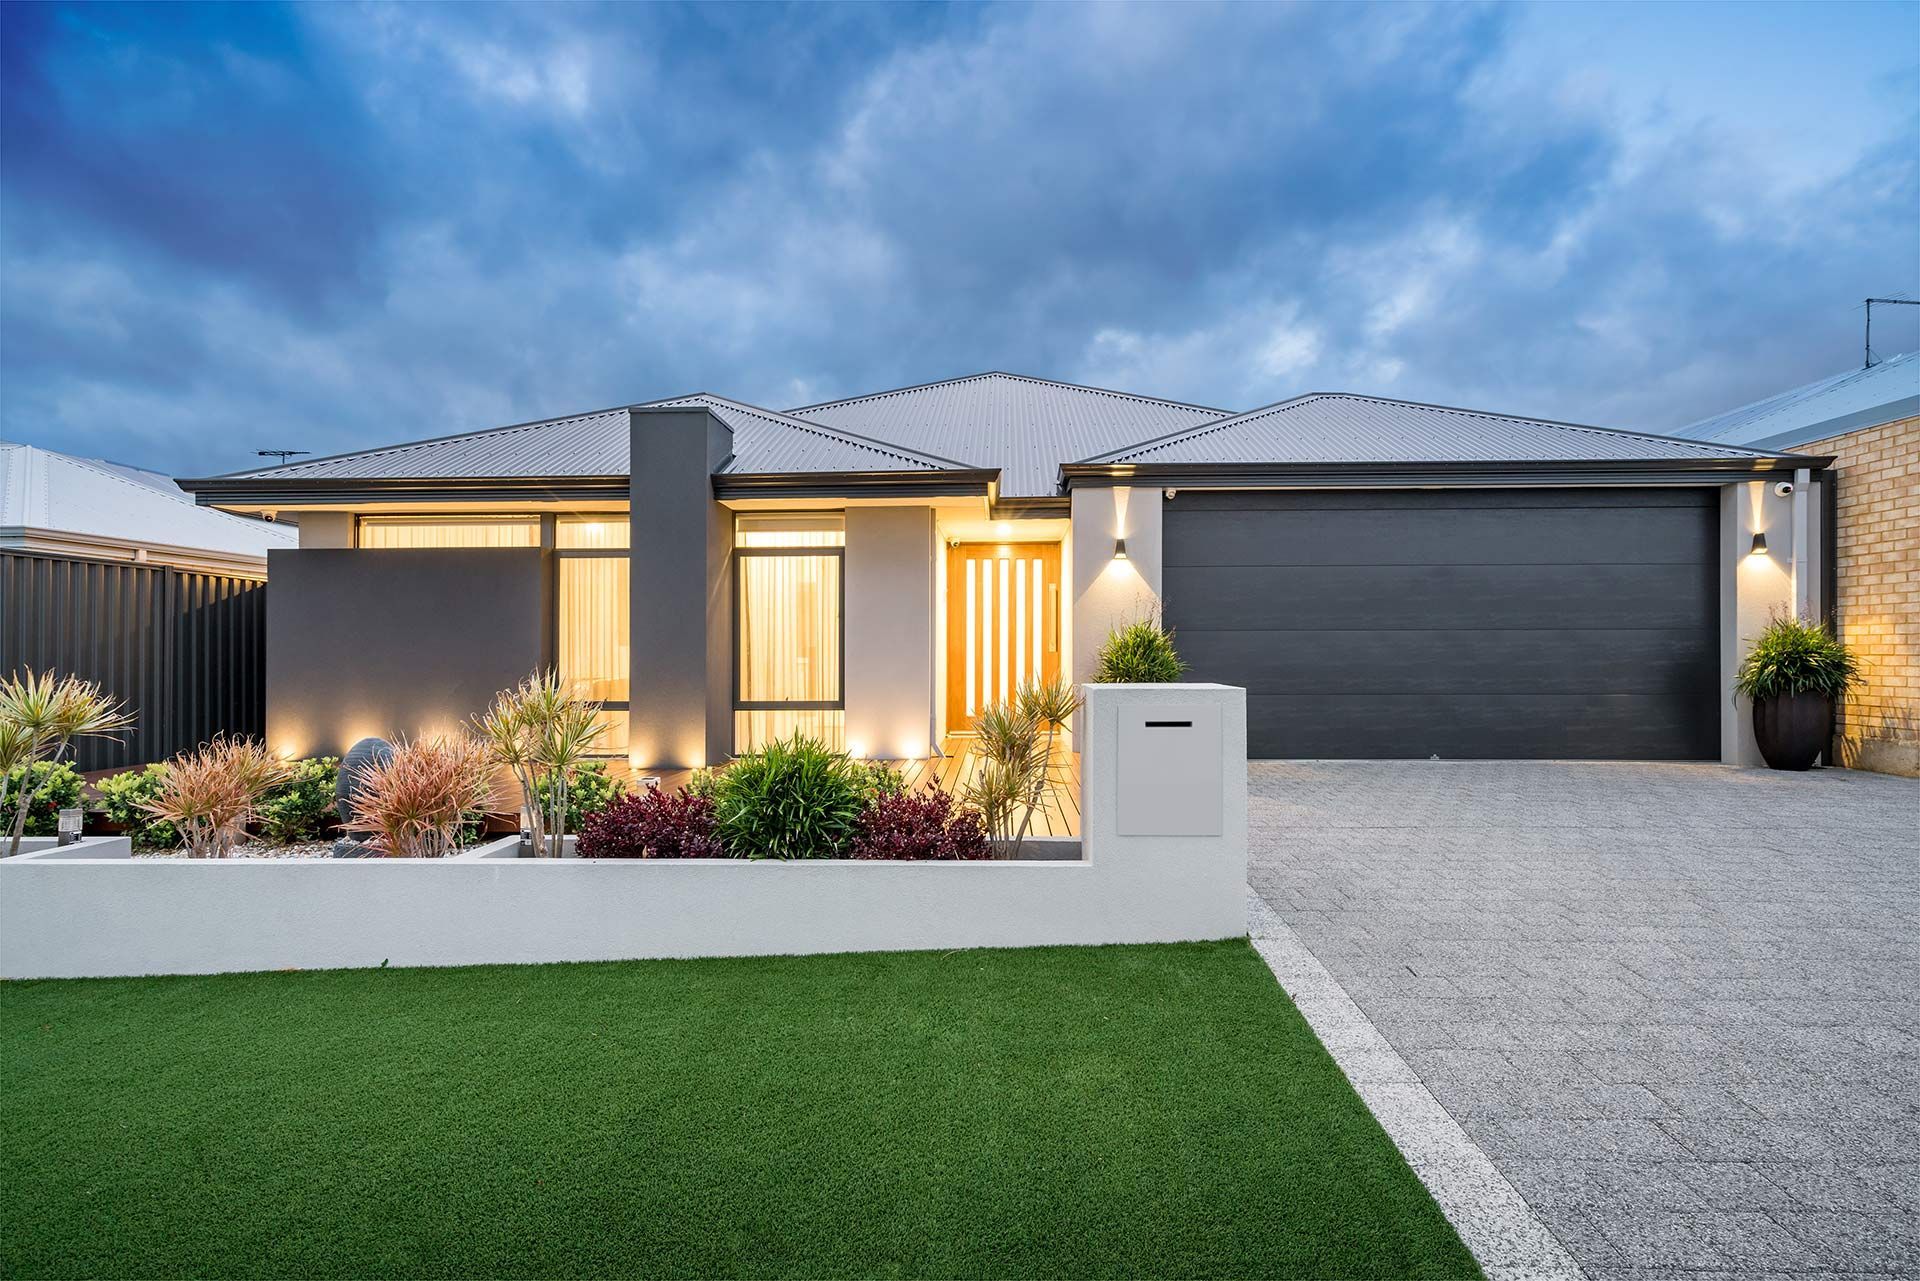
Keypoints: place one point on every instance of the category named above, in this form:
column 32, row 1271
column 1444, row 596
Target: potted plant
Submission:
column 1795, row 671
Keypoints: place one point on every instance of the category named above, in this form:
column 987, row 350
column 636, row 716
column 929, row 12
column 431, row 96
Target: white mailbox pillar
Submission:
column 1163, row 792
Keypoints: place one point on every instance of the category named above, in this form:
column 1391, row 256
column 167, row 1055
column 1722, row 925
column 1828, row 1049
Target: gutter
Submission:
column 967, row 483
column 251, row 491
column 1552, row 472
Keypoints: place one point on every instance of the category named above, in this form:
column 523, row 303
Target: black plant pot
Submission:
column 1793, row 729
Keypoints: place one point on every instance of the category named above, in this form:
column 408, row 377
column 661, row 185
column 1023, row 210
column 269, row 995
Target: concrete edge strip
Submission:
column 1494, row 1221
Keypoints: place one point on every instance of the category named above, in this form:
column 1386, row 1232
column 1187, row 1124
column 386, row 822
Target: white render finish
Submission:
column 326, row 530
column 99, row 917
column 1169, row 770
column 1109, row 593
column 889, row 632
column 43, row 848
column 1755, row 588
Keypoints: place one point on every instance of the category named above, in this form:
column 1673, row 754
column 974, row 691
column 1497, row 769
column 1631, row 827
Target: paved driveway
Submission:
column 1679, row 1006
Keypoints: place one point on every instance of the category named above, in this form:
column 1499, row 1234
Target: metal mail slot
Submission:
column 1169, row 764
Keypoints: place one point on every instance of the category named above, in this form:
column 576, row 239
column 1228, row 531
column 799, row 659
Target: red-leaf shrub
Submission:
column 919, row 825
column 654, row 824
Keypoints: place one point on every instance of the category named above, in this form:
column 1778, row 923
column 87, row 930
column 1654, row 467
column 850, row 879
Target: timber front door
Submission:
column 1003, row 624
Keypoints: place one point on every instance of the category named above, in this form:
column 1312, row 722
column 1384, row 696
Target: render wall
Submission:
column 397, row 642
column 1877, row 590
column 889, row 635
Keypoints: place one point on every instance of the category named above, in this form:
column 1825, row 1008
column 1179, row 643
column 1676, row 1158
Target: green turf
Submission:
column 1130, row 1111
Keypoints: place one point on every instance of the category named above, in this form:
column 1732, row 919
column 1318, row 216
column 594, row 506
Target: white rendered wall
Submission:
column 889, row 631
column 1109, row 593
column 172, row 916
column 326, row 529
column 1753, row 589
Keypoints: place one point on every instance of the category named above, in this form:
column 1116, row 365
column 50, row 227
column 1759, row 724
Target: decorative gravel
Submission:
column 253, row 849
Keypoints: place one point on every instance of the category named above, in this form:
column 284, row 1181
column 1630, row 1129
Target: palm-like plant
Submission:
column 543, row 731
column 1015, row 742
column 40, row 717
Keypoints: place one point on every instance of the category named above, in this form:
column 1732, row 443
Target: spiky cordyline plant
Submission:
column 543, row 731
column 210, row 795
column 44, row 714
column 1016, row 745
column 412, row 803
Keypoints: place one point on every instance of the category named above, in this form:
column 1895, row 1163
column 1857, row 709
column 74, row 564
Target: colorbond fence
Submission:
column 185, row 650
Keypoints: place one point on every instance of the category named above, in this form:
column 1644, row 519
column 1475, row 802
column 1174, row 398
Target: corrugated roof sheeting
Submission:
column 1345, row 428
column 42, row 489
column 1864, row 397
column 1025, row 426
column 598, row 444
column 768, row 443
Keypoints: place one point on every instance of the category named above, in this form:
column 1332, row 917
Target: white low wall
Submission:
column 124, row 916
column 87, row 847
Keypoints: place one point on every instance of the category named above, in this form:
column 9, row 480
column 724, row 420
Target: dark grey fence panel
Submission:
column 185, row 650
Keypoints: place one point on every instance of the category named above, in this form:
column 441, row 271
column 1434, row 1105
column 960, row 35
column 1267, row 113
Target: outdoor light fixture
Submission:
column 1119, row 549
column 69, row 826
column 1759, row 547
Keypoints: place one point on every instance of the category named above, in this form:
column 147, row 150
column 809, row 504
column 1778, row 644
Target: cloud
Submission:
column 338, row 226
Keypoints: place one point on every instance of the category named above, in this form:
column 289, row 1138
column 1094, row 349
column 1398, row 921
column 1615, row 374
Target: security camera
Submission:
column 1783, row 488
column 1171, row 493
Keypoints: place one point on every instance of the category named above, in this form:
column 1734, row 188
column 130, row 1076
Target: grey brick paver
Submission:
column 1676, row 1005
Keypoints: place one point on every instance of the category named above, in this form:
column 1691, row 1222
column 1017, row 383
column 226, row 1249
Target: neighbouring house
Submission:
column 113, row 574
column 1868, row 421
column 1386, row 579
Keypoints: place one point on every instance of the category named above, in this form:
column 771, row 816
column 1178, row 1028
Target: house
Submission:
column 1387, row 579
column 1868, row 420
column 112, row 573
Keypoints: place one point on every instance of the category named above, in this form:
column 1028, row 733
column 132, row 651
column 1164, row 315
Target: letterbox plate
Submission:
column 1169, row 767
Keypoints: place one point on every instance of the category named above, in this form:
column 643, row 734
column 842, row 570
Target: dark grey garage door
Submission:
column 1455, row 623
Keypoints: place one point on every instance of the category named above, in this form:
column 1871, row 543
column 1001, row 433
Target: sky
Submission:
column 250, row 227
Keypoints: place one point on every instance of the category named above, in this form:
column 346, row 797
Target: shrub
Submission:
column 40, row 716
column 593, row 790
column 654, row 824
column 924, row 825
column 413, row 804
column 1141, row 653
column 1797, row 656
column 791, row 799
column 301, row 809
column 704, row 781
column 882, row 779
column 128, row 801
column 544, row 732
column 211, row 795
column 52, row 787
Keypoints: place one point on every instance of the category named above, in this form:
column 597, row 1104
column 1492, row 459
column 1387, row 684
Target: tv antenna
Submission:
column 1885, row 302
column 284, row 454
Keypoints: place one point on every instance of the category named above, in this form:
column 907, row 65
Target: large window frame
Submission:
column 548, row 544
column 837, row 553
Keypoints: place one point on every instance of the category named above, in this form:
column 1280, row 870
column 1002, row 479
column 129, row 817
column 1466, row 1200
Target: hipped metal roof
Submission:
column 1339, row 427
column 1882, row 393
column 1031, row 431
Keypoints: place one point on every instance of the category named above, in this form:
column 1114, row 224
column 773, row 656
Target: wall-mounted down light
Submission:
column 1119, row 549
column 1759, row 547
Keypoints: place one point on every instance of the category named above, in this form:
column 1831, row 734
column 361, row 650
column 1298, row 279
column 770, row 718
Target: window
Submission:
column 449, row 531
column 789, row 655
column 591, row 632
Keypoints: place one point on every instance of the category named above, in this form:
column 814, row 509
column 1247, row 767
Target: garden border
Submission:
column 122, row 916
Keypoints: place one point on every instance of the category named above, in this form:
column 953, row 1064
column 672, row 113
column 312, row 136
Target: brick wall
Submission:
column 1877, row 576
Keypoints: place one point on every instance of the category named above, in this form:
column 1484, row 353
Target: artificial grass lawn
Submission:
column 1135, row 1111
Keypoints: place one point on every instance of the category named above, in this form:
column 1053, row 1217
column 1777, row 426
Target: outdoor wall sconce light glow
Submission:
column 1759, row 547
column 1119, row 549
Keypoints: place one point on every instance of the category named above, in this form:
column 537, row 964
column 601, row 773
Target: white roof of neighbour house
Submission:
column 1025, row 426
column 87, row 507
column 1882, row 393
column 1341, row 427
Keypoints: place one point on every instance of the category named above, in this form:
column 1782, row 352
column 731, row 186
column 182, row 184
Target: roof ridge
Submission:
column 94, row 467
column 821, row 429
column 1781, row 402
column 1001, row 373
column 1281, row 406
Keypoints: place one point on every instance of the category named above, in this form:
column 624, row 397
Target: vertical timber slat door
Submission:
column 1003, row 624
